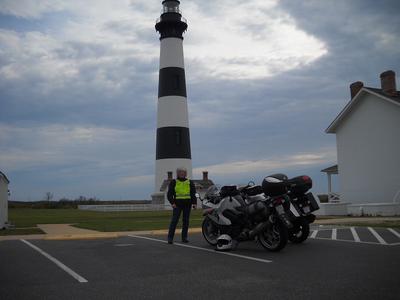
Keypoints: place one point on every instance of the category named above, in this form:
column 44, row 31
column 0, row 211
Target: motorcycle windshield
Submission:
column 212, row 191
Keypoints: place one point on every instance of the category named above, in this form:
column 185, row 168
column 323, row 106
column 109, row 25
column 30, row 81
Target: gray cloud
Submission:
column 81, row 99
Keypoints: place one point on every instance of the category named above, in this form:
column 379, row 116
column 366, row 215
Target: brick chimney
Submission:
column 388, row 83
column 205, row 175
column 169, row 175
column 355, row 87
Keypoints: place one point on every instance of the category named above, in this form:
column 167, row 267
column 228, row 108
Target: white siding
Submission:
column 368, row 145
column 3, row 202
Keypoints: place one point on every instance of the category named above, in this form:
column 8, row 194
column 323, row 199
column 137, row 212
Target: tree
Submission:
column 49, row 196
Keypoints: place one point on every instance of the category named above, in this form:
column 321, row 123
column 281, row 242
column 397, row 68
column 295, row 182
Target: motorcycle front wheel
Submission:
column 210, row 231
column 301, row 235
column 274, row 238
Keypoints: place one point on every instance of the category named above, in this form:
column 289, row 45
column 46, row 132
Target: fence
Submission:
column 124, row 207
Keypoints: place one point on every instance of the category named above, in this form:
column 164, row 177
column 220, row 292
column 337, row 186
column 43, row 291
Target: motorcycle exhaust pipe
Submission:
column 256, row 230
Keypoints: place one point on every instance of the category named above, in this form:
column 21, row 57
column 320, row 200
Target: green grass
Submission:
column 120, row 221
column 101, row 221
column 21, row 231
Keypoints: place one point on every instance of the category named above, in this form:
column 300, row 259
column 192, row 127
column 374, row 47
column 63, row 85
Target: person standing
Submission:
column 182, row 196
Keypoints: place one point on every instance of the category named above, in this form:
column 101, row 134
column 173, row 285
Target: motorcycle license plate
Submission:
column 306, row 209
column 280, row 209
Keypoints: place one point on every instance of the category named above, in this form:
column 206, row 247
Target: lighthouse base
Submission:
column 158, row 198
column 163, row 166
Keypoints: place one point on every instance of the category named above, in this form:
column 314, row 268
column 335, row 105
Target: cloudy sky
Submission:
column 78, row 88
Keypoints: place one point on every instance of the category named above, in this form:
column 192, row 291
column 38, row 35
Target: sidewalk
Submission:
column 68, row 232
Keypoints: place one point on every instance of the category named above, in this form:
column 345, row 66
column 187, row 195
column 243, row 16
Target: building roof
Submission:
column 200, row 184
column 382, row 94
column 351, row 104
column 4, row 176
column 331, row 170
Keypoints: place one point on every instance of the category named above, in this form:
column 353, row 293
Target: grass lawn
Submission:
column 101, row 221
column 121, row 221
column 21, row 231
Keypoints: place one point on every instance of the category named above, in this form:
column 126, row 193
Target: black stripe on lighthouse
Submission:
column 172, row 82
column 173, row 142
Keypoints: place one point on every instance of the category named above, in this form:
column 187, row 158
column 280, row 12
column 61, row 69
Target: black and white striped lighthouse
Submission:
column 173, row 138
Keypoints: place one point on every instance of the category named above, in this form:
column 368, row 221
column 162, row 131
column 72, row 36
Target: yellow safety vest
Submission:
column 182, row 189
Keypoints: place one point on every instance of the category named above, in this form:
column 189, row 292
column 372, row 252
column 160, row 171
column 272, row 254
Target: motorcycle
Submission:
column 304, row 205
column 229, row 219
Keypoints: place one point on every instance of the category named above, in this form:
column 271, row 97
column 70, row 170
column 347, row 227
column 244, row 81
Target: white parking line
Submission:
column 361, row 242
column 57, row 262
column 204, row 249
column 334, row 234
column 394, row 232
column 355, row 235
column 377, row 236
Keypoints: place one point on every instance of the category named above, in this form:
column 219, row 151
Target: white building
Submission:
column 368, row 148
column 3, row 200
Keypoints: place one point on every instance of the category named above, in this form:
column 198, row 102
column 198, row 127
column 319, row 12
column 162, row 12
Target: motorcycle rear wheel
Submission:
column 275, row 238
column 210, row 231
column 301, row 235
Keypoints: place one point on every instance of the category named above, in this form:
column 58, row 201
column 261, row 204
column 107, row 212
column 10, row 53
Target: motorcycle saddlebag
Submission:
column 313, row 203
column 229, row 190
column 300, row 185
column 305, row 204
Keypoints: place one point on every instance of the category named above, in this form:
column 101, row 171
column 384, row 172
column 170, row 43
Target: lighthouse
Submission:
column 173, row 138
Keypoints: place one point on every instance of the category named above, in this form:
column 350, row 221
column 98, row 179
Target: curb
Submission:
column 92, row 236
column 89, row 236
column 111, row 235
column 163, row 231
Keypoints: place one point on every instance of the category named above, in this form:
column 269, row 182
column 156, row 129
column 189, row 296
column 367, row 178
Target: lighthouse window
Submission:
column 177, row 82
column 178, row 137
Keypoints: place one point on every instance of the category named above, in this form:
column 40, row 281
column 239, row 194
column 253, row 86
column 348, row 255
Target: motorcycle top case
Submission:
column 229, row 190
column 275, row 185
column 300, row 185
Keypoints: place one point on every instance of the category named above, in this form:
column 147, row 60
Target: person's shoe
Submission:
column 185, row 241
column 170, row 242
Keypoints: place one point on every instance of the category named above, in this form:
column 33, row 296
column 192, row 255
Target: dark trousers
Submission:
column 176, row 213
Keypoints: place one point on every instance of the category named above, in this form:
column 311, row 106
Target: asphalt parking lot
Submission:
column 335, row 263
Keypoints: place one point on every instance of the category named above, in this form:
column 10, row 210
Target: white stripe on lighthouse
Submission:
column 171, row 53
column 172, row 111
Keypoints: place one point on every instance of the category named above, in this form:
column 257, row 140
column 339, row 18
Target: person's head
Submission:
column 181, row 173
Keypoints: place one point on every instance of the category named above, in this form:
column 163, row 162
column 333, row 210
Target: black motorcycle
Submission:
column 242, row 216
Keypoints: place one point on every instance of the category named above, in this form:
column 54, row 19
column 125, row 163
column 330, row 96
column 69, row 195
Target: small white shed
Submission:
column 368, row 148
column 3, row 200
